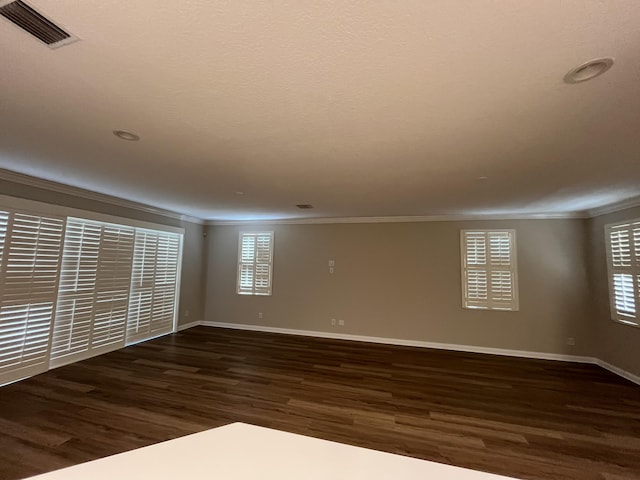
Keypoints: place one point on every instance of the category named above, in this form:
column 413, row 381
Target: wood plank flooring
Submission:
column 531, row 419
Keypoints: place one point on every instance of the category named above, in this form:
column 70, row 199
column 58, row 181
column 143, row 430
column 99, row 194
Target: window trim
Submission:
column 635, row 272
column 253, row 292
column 513, row 246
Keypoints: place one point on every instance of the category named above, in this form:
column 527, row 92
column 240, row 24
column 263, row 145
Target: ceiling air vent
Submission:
column 304, row 206
column 36, row 24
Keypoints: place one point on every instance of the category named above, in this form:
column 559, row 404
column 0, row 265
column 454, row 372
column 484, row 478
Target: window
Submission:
column 623, row 261
column 118, row 285
column 72, row 288
column 489, row 272
column 255, row 263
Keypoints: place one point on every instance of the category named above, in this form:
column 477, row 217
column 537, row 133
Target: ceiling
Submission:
column 362, row 108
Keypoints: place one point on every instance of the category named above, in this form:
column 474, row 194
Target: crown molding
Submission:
column 35, row 182
column 400, row 219
column 614, row 207
column 31, row 181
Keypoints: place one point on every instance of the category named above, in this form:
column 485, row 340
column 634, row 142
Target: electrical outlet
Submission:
column 333, row 322
column 341, row 322
column 571, row 341
column 330, row 269
column 332, row 263
column 259, row 314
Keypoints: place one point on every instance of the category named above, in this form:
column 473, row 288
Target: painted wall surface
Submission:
column 617, row 344
column 403, row 281
column 192, row 300
column 193, row 271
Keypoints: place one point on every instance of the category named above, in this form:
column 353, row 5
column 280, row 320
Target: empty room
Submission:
column 314, row 240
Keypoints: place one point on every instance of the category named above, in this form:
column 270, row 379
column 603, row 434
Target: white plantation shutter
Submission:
column 70, row 290
column 166, row 279
column 623, row 261
column 74, row 312
column 489, row 275
column 31, row 250
column 94, row 290
column 154, row 280
column 476, row 279
column 113, row 286
column 139, row 322
column 255, row 263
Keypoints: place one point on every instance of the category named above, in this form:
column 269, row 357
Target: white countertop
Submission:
column 242, row 452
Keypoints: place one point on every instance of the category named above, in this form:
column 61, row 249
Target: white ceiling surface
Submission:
column 363, row 108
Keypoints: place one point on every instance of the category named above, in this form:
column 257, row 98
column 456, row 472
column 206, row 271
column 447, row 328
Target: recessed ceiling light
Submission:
column 304, row 206
column 483, row 178
column 588, row 70
column 124, row 135
column 239, row 193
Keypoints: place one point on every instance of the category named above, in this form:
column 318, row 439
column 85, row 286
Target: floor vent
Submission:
column 36, row 24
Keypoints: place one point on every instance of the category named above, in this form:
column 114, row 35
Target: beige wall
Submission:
column 616, row 344
column 402, row 280
column 193, row 281
column 193, row 271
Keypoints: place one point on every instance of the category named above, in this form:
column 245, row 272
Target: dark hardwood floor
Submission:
column 531, row 419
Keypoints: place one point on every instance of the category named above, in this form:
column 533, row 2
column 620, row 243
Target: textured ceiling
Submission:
column 363, row 108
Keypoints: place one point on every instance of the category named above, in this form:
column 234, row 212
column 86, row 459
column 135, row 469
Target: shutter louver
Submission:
column 30, row 267
column 246, row 278
column 248, row 248
column 624, row 297
column 489, row 269
column 477, row 287
column 263, row 264
column 501, row 272
column 476, row 281
column 152, row 302
column 476, row 248
column 500, row 247
column 255, row 263
column 623, row 248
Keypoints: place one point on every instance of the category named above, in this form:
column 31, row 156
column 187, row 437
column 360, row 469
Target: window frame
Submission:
column 255, row 292
column 633, row 270
column 513, row 269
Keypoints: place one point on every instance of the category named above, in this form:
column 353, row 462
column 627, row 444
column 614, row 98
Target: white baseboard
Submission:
column 416, row 343
column 618, row 371
column 406, row 343
column 184, row 326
